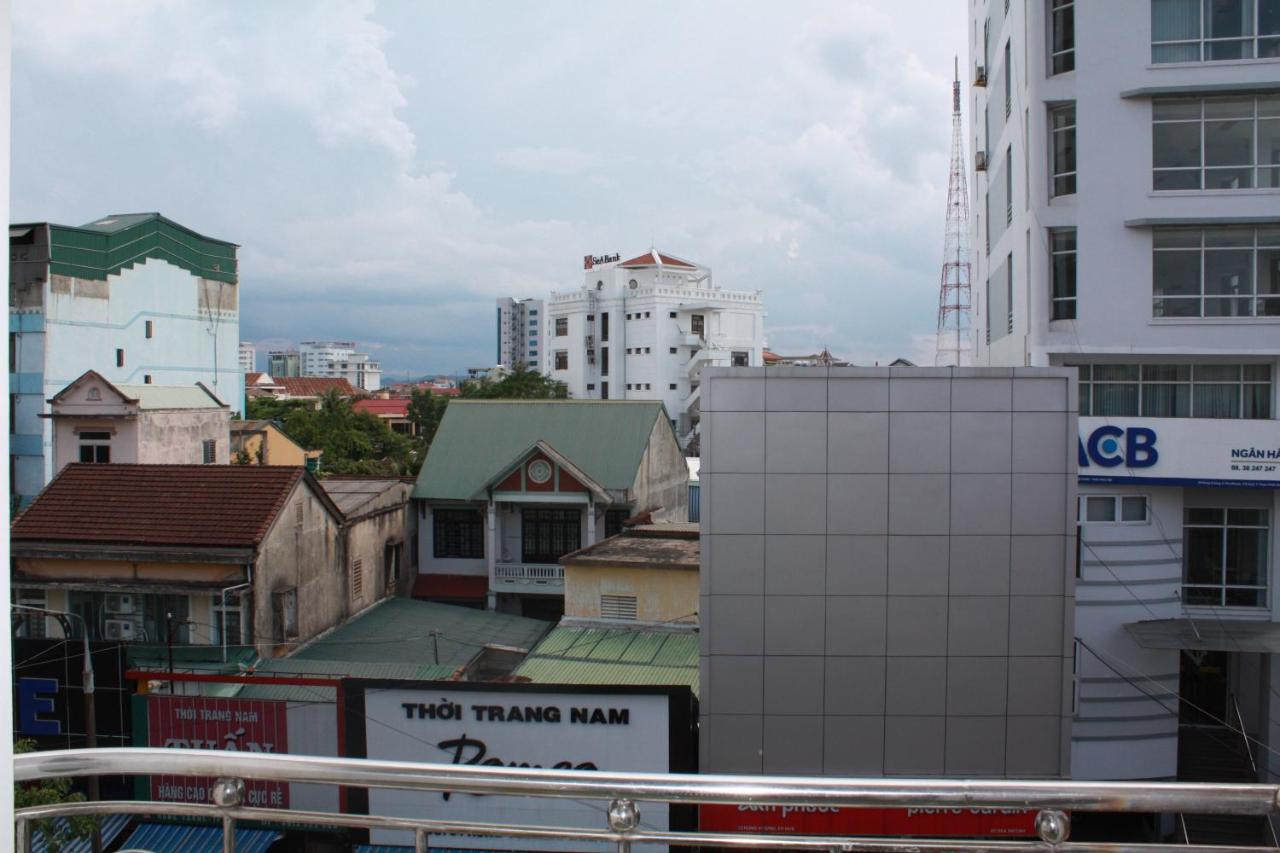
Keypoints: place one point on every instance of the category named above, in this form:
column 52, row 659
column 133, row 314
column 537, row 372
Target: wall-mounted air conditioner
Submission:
column 119, row 629
column 979, row 75
column 119, row 603
column 980, row 161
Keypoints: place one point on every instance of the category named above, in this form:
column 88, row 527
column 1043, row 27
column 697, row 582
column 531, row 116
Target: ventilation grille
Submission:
column 357, row 578
column 618, row 607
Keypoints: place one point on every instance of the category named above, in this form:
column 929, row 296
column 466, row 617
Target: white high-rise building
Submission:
column 339, row 359
column 248, row 357
column 519, row 332
column 1126, row 198
column 642, row 329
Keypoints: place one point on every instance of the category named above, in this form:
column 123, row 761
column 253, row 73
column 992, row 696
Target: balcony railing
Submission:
column 509, row 575
column 621, row 791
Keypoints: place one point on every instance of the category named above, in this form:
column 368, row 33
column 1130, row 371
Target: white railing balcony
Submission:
column 533, row 577
column 618, row 793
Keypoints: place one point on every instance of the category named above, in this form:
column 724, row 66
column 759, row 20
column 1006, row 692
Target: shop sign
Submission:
column 589, row 261
column 830, row 820
column 205, row 722
column 1179, row 452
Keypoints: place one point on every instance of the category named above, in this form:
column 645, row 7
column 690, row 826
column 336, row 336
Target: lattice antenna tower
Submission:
column 955, row 297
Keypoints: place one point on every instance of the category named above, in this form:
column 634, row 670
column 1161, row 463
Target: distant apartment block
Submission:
column 643, row 329
column 339, row 359
column 284, row 363
column 137, row 298
column 520, row 332
column 248, row 357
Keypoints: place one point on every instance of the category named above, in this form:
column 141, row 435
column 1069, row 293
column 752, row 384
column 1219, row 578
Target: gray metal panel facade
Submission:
column 888, row 570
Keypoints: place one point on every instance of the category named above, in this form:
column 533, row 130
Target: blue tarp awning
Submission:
column 111, row 826
column 183, row 838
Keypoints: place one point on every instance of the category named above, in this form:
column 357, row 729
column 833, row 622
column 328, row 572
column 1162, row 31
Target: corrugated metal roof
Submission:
column 106, row 246
column 400, row 630
column 573, row 655
column 353, row 669
column 111, row 826
column 477, row 439
column 170, row 397
column 184, row 838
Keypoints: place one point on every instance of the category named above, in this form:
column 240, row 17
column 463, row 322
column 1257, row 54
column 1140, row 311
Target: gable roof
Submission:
column 256, row 377
column 391, row 407
column 581, row 655
column 150, row 397
column 479, row 438
column 654, row 258
column 200, row 505
column 315, row 386
column 352, row 493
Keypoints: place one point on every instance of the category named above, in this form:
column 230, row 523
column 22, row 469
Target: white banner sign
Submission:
column 515, row 728
column 1180, row 451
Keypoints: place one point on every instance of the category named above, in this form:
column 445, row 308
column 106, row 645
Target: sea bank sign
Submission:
column 1177, row 451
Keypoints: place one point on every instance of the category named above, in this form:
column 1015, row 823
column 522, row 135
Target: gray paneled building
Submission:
column 888, row 570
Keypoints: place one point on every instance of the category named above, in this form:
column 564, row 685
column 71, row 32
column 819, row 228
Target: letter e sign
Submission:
column 37, row 696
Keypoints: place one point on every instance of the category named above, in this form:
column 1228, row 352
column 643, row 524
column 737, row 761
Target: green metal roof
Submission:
column 399, row 630
column 576, row 655
column 343, row 668
column 107, row 245
column 478, row 439
column 170, row 396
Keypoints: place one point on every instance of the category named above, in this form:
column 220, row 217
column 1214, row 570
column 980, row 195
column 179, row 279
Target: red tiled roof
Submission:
column 208, row 505
column 451, row 586
column 395, row 406
column 315, row 386
column 771, row 357
column 255, row 377
column 653, row 257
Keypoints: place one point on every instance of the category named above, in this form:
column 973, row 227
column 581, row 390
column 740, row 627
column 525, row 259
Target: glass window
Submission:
column 1225, row 556
column 1113, row 509
column 1226, row 143
column 1062, row 122
column 697, row 324
column 1008, row 186
column 1176, row 390
column 95, row 447
column 1008, row 79
column 741, row 359
column 562, row 326
column 549, row 534
column 1062, row 273
column 1062, row 36
column 562, row 360
column 1216, row 272
column 1214, row 30
column 457, row 533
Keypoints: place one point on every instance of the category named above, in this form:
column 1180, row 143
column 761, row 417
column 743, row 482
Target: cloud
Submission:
column 550, row 160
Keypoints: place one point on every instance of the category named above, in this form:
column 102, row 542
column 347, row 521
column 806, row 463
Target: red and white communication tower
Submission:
column 955, row 340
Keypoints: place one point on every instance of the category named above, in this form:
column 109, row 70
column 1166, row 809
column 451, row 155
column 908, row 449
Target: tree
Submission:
column 47, row 791
column 353, row 442
column 426, row 410
column 521, row 384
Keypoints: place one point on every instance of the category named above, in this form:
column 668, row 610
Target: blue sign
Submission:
column 37, row 697
column 1112, row 446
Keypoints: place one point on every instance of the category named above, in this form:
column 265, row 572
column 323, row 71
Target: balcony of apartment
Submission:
column 529, row 578
column 623, row 803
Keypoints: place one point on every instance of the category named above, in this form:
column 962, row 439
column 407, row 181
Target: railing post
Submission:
column 228, row 794
column 228, row 834
column 420, row 841
column 623, row 817
column 23, row 829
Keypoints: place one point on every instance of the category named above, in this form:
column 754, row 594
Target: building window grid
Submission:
column 1008, row 293
column 1236, row 272
column 1231, row 391
column 1222, row 124
column 1180, row 32
column 1225, row 556
column 1062, row 39
column 1008, row 186
column 1062, row 273
column 1114, row 509
column 1008, row 79
column 1062, row 124
column 457, row 533
column 549, row 534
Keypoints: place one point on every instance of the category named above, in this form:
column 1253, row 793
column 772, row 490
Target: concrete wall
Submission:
column 66, row 439
column 366, row 539
column 177, row 437
column 886, row 581
column 662, row 595
column 302, row 551
column 662, row 482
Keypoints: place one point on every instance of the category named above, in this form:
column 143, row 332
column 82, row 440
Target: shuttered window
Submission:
column 357, row 578
column 618, row 607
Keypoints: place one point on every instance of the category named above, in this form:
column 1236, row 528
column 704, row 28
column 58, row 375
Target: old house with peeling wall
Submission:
column 136, row 297
column 379, row 531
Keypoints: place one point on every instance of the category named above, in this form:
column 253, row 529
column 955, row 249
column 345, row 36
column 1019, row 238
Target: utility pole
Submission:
column 955, row 295
column 168, row 635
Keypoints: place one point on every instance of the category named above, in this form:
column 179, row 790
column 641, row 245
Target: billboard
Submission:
column 48, row 693
column 207, row 722
column 906, row 822
column 1179, row 452
column 517, row 725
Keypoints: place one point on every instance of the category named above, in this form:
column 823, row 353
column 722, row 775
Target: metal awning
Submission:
column 1210, row 635
column 109, row 827
column 175, row 837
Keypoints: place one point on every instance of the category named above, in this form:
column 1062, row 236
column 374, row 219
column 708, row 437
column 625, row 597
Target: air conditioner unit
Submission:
column 980, row 161
column 119, row 629
column 119, row 604
column 979, row 75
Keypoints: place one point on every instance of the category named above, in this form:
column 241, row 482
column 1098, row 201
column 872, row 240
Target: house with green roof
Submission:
column 511, row 486
column 98, row 421
column 136, row 297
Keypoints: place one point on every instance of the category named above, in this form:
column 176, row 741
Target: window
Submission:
column 562, row 327
column 604, row 390
column 697, row 324
column 28, row 625
column 146, row 379
column 1008, row 79
column 740, row 359
column 284, row 615
column 562, row 359
column 13, row 352
column 533, row 323
column 1008, row 294
column 613, row 519
column 618, row 607
column 209, row 448
column 95, row 447
column 671, row 387
column 549, row 534
column 227, row 618
column 1237, row 391
column 1215, row 143
column 1062, row 36
column 1224, row 556
column 1114, row 509
column 1062, row 127
column 591, row 318
column 671, row 350
column 1008, row 186
column 357, row 579
column 604, row 361
column 1062, row 273
column 1213, row 30
column 119, row 358
column 604, row 326
column 148, row 329
column 391, row 567
column 646, row 351
column 1216, row 272
column 591, row 386
column 457, row 533
column 672, row 315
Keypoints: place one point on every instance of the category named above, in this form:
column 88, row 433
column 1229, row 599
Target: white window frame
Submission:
column 1251, row 298
column 1070, row 304
column 1117, row 501
column 1054, row 174
column 1223, row 586
column 1201, row 43
column 1262, row 175
column 1067, row 8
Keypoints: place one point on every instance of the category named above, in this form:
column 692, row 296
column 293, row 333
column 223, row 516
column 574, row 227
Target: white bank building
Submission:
column 1127, row 197
column 643, row 329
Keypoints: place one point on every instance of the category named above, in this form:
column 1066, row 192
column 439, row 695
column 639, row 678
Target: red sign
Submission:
column 822, row 820
column 204, row 722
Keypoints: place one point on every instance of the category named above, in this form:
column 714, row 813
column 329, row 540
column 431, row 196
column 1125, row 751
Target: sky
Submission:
column 390, row 168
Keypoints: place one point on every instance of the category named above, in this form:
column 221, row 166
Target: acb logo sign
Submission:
column 1113, row 446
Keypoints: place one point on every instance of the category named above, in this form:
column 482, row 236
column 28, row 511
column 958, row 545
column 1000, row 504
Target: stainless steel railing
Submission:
column 1052, row 799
